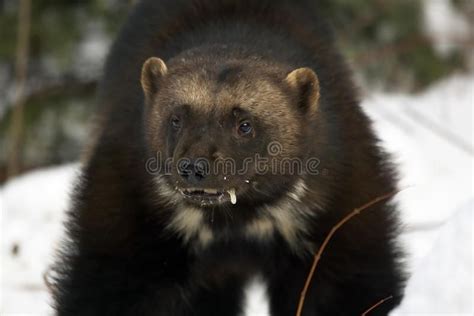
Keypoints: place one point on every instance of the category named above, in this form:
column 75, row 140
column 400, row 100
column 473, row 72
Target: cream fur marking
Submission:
column 290, row 216
column 299, row 190
column 205, row 236
column 169, row 194
column 261, row 228
column 187, row 221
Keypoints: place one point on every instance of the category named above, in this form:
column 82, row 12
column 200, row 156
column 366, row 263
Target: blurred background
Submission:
column 53, row 55
column 412, row 59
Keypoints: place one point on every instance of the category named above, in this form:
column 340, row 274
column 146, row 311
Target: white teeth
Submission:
column 210, row 191
column 233, row 197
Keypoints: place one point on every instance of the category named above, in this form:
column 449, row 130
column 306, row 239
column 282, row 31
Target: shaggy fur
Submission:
column 136, row 246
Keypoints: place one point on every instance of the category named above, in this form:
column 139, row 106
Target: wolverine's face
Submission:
column 223, row 131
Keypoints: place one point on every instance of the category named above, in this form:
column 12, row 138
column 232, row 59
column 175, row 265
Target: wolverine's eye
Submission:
column 245, row 128
column 175, row 122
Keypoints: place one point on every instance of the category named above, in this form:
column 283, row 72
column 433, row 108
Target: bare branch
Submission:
column 377, row 305
column 318, row 255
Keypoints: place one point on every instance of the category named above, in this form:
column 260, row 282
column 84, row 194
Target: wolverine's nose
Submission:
column 193, row 171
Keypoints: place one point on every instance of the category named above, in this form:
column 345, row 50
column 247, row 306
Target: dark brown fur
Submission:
column 137, row 246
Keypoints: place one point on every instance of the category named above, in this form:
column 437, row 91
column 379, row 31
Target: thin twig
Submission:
column 377, row 305
column 318, row 255
column 48, row 280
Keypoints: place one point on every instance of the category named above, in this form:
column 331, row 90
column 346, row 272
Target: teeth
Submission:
column 233, row 197
column 196, row 190
column 231, row 192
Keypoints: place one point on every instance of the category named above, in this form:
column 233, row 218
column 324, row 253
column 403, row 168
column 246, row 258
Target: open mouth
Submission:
column 209, row 196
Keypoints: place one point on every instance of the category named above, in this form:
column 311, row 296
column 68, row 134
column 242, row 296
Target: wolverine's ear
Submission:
column 306, row 84
column 152, row 71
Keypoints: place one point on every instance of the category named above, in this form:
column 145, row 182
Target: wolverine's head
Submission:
column 228, row 132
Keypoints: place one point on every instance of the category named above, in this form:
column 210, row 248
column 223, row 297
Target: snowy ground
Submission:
column 430, row 136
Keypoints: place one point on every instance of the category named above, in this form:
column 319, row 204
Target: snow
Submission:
column 430, row 136
column 32, row 208
column 256, row 298
column 442, row 283
column 444, row 25
column 436, row 173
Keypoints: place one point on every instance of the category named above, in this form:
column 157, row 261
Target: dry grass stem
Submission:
column 318, row 255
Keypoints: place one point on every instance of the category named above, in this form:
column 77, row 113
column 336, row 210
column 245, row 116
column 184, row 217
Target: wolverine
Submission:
column 189, row 84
